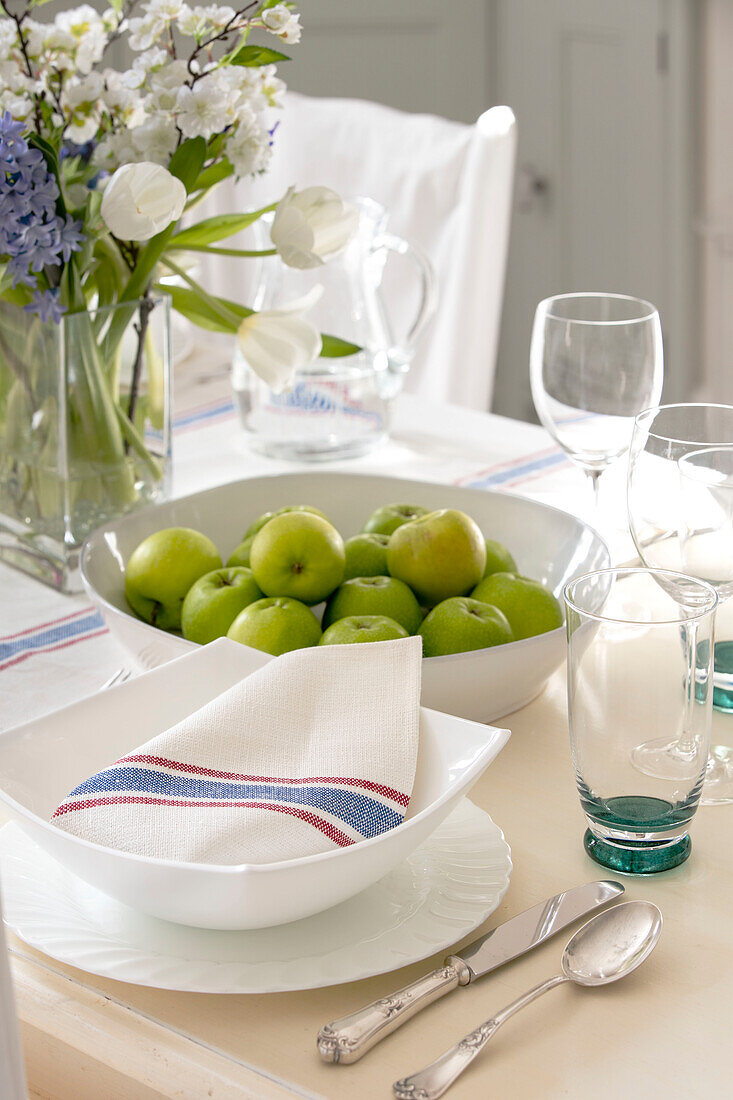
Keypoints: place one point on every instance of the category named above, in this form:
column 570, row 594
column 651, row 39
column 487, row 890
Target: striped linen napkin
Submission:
column 313, row 752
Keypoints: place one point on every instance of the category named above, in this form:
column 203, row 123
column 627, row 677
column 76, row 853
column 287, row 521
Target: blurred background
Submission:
column 624, row 171
column 624, row 175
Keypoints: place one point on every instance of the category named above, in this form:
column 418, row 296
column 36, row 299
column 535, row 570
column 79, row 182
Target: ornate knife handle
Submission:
column 345, row 1040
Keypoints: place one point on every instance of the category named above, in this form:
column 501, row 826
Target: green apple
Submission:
column 362, row 628
column 439, row 555
column 385, row 596
column 461, row 623
column 214, row 601
column 260, row 522
column 529, row 606
column 276, row 625
column 498, row 559
column 240, row 554
column 162, row 569
column 298, row 554
column 366, row 556
column 386, row 520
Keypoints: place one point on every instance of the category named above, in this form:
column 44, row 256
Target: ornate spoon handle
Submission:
column 345, row 1040
column 437, row 1078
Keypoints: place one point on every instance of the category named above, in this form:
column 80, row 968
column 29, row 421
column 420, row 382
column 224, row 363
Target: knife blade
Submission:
column 347, row 1039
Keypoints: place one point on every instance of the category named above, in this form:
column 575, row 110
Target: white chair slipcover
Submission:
column 448, row 189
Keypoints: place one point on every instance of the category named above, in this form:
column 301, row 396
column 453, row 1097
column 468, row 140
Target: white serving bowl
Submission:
column 549, row 545
column 42, row 761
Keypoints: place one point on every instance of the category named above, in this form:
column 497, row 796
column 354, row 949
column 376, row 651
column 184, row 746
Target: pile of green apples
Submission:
column 410, row 571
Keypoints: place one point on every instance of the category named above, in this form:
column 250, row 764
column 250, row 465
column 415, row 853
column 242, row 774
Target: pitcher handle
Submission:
column 428, row 282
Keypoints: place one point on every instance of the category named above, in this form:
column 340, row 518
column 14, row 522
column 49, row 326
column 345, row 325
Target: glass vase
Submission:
column 85, row 428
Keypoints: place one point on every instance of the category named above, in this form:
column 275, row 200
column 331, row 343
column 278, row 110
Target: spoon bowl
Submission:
column 613, row 943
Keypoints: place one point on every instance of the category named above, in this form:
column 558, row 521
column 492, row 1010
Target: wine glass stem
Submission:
column 595, row 478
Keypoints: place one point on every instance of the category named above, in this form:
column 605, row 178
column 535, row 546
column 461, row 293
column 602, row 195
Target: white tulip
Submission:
column 278, row 342
column 142, row 199
column 311, row 225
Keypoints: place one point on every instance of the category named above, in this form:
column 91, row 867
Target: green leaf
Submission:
column 335, row 348
column 198, row 310
column 52, row 162
column 254, row 56
column 213, row 174
column 216, row 229
column 187, row 162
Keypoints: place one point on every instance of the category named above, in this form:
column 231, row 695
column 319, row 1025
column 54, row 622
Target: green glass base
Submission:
column 723, row 678
column 637, row 861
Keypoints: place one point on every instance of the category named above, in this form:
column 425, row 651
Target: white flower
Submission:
column 82, row 102
column 115, row 149
column 156, row 139
column 35, row 34
column 199, row 110
column 8, row 38
column 166, row 83
column 121, row 100
column 142, row 65
column 198, row 21
column 19, row 106
column 87, row 29
column 278, row 342
column 310, row 225
column 141, row 200
column 281, row 21
column 248, row 149
column 144, row 32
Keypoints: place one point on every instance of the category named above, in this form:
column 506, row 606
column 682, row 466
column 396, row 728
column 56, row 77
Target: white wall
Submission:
column 716, row 201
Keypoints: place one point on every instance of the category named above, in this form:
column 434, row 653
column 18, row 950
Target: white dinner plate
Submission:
column 440, row 894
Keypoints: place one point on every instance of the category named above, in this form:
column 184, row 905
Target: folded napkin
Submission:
column 313, row 752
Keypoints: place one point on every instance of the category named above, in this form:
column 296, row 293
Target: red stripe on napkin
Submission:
column 325, row 827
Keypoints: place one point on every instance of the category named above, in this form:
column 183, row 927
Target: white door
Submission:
column 600, row 89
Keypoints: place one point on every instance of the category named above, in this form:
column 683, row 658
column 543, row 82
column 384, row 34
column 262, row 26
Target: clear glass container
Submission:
column 336, row 407
column 640, row 662
column 85, row 428
column 596, row 360
column 680, row 502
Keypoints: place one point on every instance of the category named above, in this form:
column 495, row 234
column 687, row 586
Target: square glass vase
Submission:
column 85, row 428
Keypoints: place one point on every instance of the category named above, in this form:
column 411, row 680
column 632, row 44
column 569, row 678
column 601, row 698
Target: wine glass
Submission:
column 596, row 360
column 680, row 498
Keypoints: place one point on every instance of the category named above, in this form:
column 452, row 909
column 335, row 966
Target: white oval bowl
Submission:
column 42, row 761
column 550, row 545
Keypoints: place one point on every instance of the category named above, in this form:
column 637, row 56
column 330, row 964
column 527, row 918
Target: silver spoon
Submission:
column 606, row 948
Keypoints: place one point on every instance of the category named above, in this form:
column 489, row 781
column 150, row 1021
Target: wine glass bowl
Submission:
column 680, row 503
column 596, row 361
column 706, row 516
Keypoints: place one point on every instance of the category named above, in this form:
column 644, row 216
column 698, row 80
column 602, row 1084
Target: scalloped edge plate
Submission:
column 442, row 892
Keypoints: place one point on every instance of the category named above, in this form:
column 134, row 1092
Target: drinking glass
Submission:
column 680, row 499
column 640, row 645
column 596, row 361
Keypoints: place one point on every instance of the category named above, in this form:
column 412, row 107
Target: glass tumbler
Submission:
column 640, row 664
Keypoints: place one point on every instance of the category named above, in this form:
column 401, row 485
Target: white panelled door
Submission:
column 600, row 89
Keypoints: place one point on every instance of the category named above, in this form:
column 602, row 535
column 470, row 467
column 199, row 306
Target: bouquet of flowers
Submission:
column 101, row 172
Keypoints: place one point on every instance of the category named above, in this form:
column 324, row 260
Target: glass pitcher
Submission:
column 336, row 408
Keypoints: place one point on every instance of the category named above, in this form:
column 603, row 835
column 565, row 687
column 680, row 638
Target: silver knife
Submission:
column 347, row 1039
